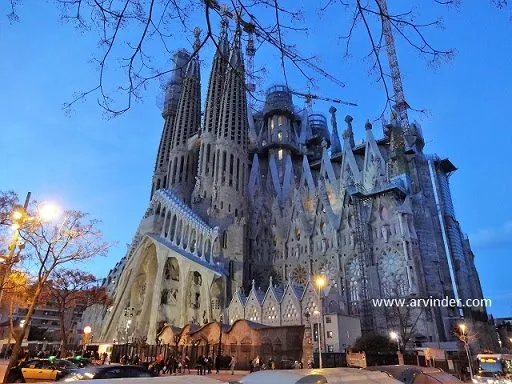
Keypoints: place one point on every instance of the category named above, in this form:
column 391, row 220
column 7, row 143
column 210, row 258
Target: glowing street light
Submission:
column 48, row 212
column 87, row 330
column 394, row 336
column 464, row 339
column 20, row 216
column 320, row 282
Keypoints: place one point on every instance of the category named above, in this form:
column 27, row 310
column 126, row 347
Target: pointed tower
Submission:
column 182, row 160
column 172, row 98
column 230, row 178
column 335, row 139
column 202, row 196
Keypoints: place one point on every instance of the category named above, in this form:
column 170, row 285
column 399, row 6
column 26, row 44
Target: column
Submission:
column 155, row 300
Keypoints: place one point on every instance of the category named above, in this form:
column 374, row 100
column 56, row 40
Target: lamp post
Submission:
column 219, row 351
column 320, row 283
column 464, row 339
column 20, row 216
column 87, row 332
column 395, row 336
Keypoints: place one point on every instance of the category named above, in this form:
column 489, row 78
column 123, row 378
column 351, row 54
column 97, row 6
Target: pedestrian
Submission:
column 186, row 365
column 104, row 358
column 217, row 363
column 208, row 364
column 232, row 364
column 199, row 365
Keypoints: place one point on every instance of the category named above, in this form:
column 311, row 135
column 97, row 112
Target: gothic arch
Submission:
column 172, row 269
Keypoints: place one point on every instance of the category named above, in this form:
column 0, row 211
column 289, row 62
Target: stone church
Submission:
column 274, row 196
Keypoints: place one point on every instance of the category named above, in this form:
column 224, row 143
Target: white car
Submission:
column 318, row 376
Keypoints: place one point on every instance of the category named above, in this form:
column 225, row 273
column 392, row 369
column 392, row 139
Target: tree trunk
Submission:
column 63, row 334
column 19, row 338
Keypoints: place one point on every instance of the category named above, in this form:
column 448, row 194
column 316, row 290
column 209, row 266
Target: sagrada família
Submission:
column 265, row 200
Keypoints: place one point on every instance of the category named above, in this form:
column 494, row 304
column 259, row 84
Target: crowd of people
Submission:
column 175, row 365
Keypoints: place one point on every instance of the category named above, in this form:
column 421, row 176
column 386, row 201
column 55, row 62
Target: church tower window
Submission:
column 225, row 239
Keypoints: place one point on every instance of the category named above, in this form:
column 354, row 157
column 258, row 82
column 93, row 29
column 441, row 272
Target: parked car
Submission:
column 412, row 374
column 40, row 370
column 94, row 372
column 318, row 376
column 80, row 361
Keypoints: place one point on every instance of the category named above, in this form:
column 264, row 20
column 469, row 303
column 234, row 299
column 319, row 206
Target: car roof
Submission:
column 333, row 375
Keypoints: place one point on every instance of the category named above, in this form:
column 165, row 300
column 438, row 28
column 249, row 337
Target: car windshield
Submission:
column 491, row 366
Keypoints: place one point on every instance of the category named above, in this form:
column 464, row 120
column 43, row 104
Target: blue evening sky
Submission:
column 84, row 161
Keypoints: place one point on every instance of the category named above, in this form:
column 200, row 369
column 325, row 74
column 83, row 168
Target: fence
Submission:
column 330, row 360
column 243, row 353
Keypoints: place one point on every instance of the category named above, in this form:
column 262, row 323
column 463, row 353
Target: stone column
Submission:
column 155, row 299
column 212, row 245
column 183, row 290
column 406, row 251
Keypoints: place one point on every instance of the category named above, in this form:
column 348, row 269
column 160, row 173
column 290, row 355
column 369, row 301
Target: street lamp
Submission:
column 320, row 282
column 464, row 339
column 87, row 332
column 20, row 217
column 394, row 336
column 219, row 351
column 48, row 212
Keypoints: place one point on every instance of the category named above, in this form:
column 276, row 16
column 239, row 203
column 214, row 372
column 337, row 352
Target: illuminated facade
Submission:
column 243, row 195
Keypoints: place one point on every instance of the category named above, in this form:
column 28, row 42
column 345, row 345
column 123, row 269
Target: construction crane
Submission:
column 310, row 97
column 401, row 105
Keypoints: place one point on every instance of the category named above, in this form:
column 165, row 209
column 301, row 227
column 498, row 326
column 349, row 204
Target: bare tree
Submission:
column 68, row 290
column 139, row 34
column 402, row 314
column 50, row 245
column 8, row 200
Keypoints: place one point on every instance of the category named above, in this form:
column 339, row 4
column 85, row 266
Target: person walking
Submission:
column 199, row 365
column 186, row 364
column 217, row 363
column 232, row 364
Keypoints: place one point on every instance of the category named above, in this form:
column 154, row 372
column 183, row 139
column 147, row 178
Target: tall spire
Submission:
column 335, row 139
column 203, row 188
column 172, row 97
column 182, row 163
column 231, row 172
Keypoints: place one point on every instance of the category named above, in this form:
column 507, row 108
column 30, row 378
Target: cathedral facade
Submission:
column 262, row 201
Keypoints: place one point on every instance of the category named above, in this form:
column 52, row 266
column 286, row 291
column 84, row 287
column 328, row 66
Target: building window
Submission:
column 280, row 136
column 329, row 334
column 328, row 319
column 280, row 154
column 225, row 239
column 330, row 348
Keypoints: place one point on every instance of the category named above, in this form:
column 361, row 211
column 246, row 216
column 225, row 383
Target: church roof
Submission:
column 169, row 196
column 297, row 290
column 241, row 296
column 187, row 255
column 260, row 295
